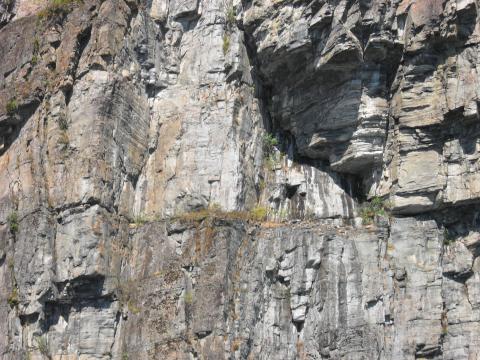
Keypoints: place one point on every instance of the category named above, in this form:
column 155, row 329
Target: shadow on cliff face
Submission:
column 20, row 99
column 331, row 78
column 29, row 69
column 83, row 291
column 328, row 85
column 11, row 125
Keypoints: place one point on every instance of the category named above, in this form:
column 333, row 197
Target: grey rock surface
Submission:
column 245, row 179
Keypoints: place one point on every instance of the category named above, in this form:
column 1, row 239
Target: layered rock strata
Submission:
column 187, row 179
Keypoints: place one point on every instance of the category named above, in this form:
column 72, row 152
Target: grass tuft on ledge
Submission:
column 12, row 106
column 373, row 208
column 256, row 214
column 13, row 222
column 58, row 8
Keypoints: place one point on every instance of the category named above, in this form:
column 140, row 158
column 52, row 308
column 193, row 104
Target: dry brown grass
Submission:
column 236, row 344
column 271, row 224
column 257, row 214
column 57, row 8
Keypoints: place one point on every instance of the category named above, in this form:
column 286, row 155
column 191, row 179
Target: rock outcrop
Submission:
column 239, row 179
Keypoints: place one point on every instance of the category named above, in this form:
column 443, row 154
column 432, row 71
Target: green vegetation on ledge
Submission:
column 12, row 106
column 256, row 214
column 375, row 207
column 42, row 346
column 448, row 237
column 226, row 43
column 58, row 8
column 13, row 298
column 13, row 222
column 269, row 143
column 230, row 15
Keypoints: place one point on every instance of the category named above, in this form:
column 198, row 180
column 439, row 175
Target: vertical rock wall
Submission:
column 141, row 140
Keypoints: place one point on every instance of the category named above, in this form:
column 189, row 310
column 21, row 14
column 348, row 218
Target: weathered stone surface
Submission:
column 381, row 295
column 141, row 143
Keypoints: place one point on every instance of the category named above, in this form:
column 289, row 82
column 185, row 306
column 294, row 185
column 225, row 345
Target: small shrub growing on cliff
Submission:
column 42, row 346
column 226, row 43
column 188, row 297
column 12, row 106
column 269, row 142
column 444, row 330
column 132, row 307
column 140, row 219
column 36, row 45
column 13, row 298
column 230, row 15
column 13, row 222
column 64, row 3
column 444, row 322
column 36, row 50
column 62, row 123
column 373, row 208
column 259, row 213
column 448, row 237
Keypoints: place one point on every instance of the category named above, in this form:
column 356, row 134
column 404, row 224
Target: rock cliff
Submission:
column 239, row 179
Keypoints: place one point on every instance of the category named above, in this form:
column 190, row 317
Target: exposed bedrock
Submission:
column 215, row 179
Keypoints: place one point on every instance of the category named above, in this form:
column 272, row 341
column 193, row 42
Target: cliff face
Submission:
column 186, row 179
